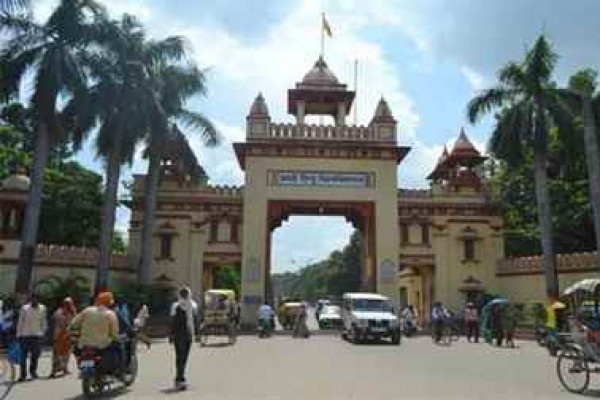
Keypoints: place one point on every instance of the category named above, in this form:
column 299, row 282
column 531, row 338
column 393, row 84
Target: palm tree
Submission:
column 120, row 101
column 51, row 51
column 529, row 104
column 174, row 84
column 582, row 91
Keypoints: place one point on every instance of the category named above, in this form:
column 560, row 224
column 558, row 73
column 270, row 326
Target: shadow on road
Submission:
column 109, row 394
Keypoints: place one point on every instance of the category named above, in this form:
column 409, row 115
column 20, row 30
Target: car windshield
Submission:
column 371, row 305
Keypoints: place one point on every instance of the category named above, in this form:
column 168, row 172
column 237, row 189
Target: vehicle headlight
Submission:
column 362, row 323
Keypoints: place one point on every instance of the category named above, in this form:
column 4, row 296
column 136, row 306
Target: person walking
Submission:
column 183, row 330
column 438, row 318
column 61, row 337
column 511, row 317
column 300, row 325
column 31, row 329
column 7, row 322
column 496, row 321
column 140, row 324
column 471, row 316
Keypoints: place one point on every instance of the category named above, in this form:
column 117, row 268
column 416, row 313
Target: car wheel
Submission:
column 356, row 337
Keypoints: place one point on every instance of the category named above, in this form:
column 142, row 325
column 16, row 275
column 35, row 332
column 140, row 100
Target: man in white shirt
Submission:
column 31, row 329
column 266, row 315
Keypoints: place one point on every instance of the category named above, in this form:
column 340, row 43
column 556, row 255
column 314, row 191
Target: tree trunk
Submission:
column 545, row 222
column 150, row 188
column 592, row 156
column 32, row 212
column 113, row 171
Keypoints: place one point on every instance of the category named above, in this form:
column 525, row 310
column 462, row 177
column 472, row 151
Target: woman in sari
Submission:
column 61, row 343
column 300, row 326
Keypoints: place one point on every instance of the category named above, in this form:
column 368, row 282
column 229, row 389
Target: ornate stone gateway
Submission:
column 302, row 169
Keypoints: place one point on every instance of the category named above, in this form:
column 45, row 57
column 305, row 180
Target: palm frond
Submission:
column 513, row 75
column 541, row 60
column 12, row 6
column 197, row 121
column 20, row 24
column 487, row 101
column 172, row 48
column 512, row 130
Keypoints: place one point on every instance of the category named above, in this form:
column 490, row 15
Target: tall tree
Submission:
column 175, row 83
column 50, row 51
column 583, row 86
column 530, row 104
column 121, row 102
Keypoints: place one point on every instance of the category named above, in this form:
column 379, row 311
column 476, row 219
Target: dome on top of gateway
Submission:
column 320, row 75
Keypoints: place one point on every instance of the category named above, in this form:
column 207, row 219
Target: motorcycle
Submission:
column 98, row 371
column 265, row 328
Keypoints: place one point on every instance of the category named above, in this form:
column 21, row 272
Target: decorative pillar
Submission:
column 300, row 112
column 196, row 260
column 341, row 114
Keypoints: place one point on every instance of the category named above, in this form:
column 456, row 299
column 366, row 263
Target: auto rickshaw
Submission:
column 287, row 312
column 219, row 315
column 487, row 331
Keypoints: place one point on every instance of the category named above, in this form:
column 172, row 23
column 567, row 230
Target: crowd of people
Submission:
column 496, row 322
column 104, row 325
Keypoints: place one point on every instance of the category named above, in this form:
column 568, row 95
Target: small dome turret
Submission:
column 463, row 147
column 259, row 107
column 383, row 112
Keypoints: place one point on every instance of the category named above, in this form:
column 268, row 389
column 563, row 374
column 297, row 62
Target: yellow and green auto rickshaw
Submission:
column 219, row 315
column 287, row 312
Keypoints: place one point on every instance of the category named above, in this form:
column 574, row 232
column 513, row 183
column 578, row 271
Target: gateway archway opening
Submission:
column 312, row 257
column 358, row 215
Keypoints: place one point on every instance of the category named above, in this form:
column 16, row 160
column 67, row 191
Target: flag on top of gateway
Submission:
column 326, row 27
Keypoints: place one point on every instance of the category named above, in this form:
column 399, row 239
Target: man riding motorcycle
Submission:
column 98, row 328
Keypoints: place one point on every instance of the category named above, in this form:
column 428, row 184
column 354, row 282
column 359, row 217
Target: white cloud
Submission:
column 476, row 80
column 288, row 51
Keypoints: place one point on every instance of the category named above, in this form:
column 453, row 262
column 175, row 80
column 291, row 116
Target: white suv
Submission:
column 369, row 316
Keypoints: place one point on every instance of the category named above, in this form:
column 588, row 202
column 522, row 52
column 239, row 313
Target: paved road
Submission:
column 325, row 367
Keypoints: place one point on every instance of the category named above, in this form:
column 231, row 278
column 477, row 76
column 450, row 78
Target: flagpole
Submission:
column 355, row 90
column 322, row 35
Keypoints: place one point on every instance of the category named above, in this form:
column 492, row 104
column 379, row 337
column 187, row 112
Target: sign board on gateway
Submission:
column 321, row 178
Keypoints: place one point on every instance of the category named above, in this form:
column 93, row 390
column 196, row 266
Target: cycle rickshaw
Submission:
column 219, row 316
column 581, row 355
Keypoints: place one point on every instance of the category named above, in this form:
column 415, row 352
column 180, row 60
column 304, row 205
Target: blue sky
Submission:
column 427, row 57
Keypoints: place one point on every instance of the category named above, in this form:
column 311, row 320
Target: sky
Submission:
column 426, row 57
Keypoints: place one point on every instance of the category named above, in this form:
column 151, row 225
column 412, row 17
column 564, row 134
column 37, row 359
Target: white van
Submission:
column 369, row 316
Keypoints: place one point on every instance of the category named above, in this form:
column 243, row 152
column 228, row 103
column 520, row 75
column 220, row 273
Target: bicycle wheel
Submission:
column 573, row 371
column 7, row 377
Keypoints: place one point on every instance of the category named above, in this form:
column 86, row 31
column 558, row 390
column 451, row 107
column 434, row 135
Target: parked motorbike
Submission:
column 265, row 328
column 99, row 370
